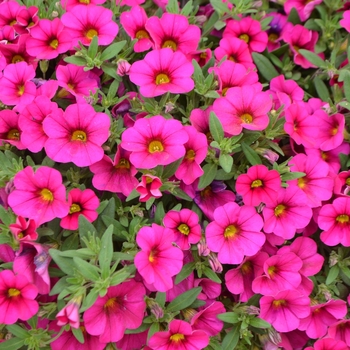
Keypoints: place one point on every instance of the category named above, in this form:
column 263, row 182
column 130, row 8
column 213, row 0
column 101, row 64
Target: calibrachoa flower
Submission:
column 123, row 305
column 40, row 196
column 154, row 141
column 69, row 314
column 328, row 344
column 303, row 7
column 179, row 336
column 149, row 187
column 69, row 4
column 162, row 71
column 158, row 259
column 16, row 298
column 24, row 230
column 235, row 233
column 340, row 331
column 10, row 132
column 76, row 135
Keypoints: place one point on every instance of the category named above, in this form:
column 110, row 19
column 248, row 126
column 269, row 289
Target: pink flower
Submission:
column 303, row 7
column 173, row 31
column 334, row 219
column 86, row 22
column 185, row 226
column 345, row 22
column 40, row 196
column 259, row 185
column 81, row 203
column 277, row 25
column 69, row 314
column 8, row 13
column 24, row 230
column 328, row 344
column 70, row 4
column 16, row 298
column 285, row 309
column 179, row 336
column 123, row 305
column 27, row 18
column 133, row 22
column 48, row 39
column 10, row 131
column 149, row 187
column 248, row 30
column 154, row 141
column 235, row 233
column 243, row 107
column 158, row 259
column 76, row 135
column 114, row 176
column 162, row 71
column 199, row 119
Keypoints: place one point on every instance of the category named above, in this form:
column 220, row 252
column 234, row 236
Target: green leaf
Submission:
column 198, row 73
column 65, row 264
column 78, row 334
column 178, row 192
column 160, row 298
column 209, row 175
column 219, row 7
column 216, row 128
column 265, row 67
column 209, row 25
column 313, row 58
column 332, row 274
column 187, row 9
column 152, row 330
column 226, row 162
column 18, row 331
column 89, row 271
column 294, row 17
column 170, row 169
column 85, row 226
column 173, row 6
column 159, row 214
column 12, row 344
column 121, row 275
column 112, row 50
column 231, row 339
column 212, row 275
column 106, row 252
column 5, row 216
column 345, row 271
column 141, row 329
column 185, row 272
column 292, row 175
column 110, row 69
column 252, row 157
column 93, row 48
column 184, row 300
column 89, row 300
column 229, row 317
column 259, row 323
column 212, row 94
column 59, row 286
column 347, row 85
column 77, row 60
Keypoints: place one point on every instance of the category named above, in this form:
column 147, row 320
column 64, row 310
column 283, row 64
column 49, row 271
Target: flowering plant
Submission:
column 174, row 175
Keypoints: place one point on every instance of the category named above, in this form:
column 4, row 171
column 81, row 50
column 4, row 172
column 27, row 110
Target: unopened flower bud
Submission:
column 123, row 68
column 215, row 263
column 203, row 249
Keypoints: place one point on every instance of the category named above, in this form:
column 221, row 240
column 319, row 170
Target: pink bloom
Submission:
column 316, row 184
column 342, row 183
column 48, row 39
column 76, row 135
column 196, row 150
column 154, row 141
column 199, row 118
column 345, row 22
column 179, row 336
column 16, row 298
column 70, row 4
column 132, row 341
column 276, row 28
column 259, row 185
column 210, row 289
column 10, row 132
column 235, row 233
column 281, row 273
column 8, row 13
column 149, row 187
column 184, row 224
column 173, row 31
column 24, row 230
column 133, row 22
column 334, row 219
column 114, row 176
column 69, row 314
column 236, row 50
column 123, row 68
column 248, row 30
column 285, row 309
column 303, row 7
column 16, row 85
column 202, row 56
column 158, row 259
column 131, row 3
column 328, row 344
column 40, row 196
column 86, row 22
column 287, row 212
column 27, row 18
column 162, row 71
column 123, row 305
column 81, row 203
column 243, row 107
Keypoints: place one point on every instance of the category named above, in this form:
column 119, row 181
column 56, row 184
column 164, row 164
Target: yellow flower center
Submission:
column 177, row 337
column 169, row 44
column 230, row 232
column 13, row 292
column 46, row 195
column 245, row 37
column 279, row 210
column 141, row 34
column 13, row 22
column 296, row 48
column 324, row 155
column 203, row 55
column 91, row 33
column 246, row 118
column 233, row 59
column 271, row 271
column 151, row 257
column 184, row 229
column 54, row 44
column 334, row 131
column 273, row 37
column 79, row 135
column 343, row 219
column 302, row 182
column 347, row 181
column 162, row 78
column 256, row 183
column 190, row 154
column 224, row 91
column 206, row 192
column 123, row 164
column 87, row 2
column 17, row 58
column 74, row 208
column 246, row 268
column 20, row 90
column 155, row 146
column 278, row 303
column 13, row 134
column 20, row 235
column 111, row 304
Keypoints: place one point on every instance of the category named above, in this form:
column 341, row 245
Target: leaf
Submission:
column 89, row 300
column 170, row 169
column 294, row 17
column 106, row 252
column 18, row 331
column 313, row 58
column 93, row 48
column 347, row 85
column 173, row 6
column 231, row 339
column 265, row 67
column 65, row 264
column 209, row 25
column 229, row 317
column 152, row 330
column 12, row 344
column 185, row 272
column 85, row 226
column 226, row 162
column 292, row 175
column 209, row 175
column 161, row 298
column 198, row 73
column 89, row 271
column 212, row 275
column 78, row 334
column 77, row 60
column 121, row 275
column 259, row 323
column 178, row 192
column 112, row 50
column 251, row 155
column 59, row 286
column 110, row 69
column 216, row 128
column 187, row 9
column 212, row 94
column 184, row 300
